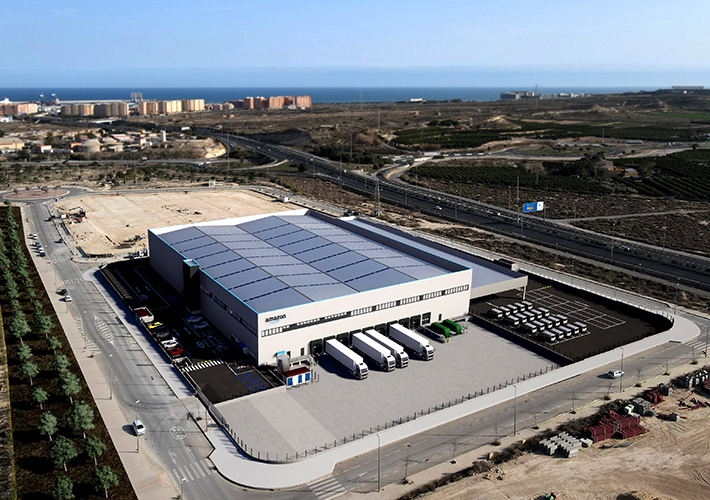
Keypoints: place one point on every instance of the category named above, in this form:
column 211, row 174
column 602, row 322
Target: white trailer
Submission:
column 343, row 355
column 412, row 340
column 373, row 350
column 396, row 350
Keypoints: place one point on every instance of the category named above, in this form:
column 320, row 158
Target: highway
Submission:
column 674, row 267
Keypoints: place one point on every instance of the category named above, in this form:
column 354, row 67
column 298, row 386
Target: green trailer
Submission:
column 440, row 329
column 454, row 327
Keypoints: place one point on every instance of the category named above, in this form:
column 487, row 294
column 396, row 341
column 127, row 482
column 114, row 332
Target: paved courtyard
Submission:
column 338, row 405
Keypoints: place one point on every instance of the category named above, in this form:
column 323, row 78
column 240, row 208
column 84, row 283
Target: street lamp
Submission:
column 515, row 410
column 110, row 377
column 138, row 442
column 378, row 463
column 182, row 480
column 621, row 379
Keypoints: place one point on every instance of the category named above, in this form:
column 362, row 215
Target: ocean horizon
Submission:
column 319, row 95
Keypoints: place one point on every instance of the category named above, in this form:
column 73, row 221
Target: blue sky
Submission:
column 365, row 43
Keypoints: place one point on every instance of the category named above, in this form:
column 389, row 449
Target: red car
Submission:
column 178, row 351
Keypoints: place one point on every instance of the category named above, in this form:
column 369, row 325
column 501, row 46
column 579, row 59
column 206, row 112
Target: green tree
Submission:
column 104, row 478
column 94, row 448
column 39, row 396
column 41, row 322
column 62, row 489
column 68, row 385
column 60, row 363
column 11, row 290
column 18, row 325
column 62, row 451
column 29, row 369
column 24, row 353
column 47, row 425
column 80, row 418
column 53, row 343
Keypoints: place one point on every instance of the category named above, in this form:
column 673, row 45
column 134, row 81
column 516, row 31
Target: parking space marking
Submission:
column 574, row 309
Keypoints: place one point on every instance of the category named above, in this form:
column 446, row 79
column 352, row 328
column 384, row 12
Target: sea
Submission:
column 319, row 95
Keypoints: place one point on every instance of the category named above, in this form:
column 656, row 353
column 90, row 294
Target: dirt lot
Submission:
column 113, row 219
column 671, row 461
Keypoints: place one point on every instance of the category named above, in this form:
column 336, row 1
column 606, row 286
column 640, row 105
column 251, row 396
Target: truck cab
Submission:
column 361, row 371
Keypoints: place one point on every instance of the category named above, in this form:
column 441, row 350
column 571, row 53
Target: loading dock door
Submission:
column 344, row 338
column 381, row 328
column 404, row 322
column 316, row 347
column 415, row 322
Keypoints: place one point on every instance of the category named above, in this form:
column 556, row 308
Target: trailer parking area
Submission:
column 339, row 406
column 610, row 324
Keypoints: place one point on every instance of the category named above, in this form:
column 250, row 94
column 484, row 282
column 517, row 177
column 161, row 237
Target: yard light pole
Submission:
column 378, row 463
column 515, row 410
column 675, row 311
column 182, row 481
column 110, row 377
column 138, row 442
column 621, row 379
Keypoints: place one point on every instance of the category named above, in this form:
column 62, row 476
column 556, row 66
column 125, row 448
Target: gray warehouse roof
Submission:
column 286, row 260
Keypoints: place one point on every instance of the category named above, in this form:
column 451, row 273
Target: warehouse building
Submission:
column 285, row 282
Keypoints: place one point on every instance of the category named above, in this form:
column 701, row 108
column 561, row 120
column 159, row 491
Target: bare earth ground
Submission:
column 671, row 461
column 113, row 219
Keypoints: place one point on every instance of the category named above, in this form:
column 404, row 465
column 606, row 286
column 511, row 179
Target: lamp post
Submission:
column 621, row 379
column 138, row 442
column 675, row 308
column 378, row 463
column 182, row 480
column 110, row 377
column 515, row 410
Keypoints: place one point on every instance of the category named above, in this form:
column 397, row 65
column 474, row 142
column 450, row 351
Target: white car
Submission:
column 67, row 298
column 138, row 428
column 615, row 374
column 169, row 343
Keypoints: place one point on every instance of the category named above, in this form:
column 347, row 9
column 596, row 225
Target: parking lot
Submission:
column 609, row 324
column 210, row 361
column 338, row 405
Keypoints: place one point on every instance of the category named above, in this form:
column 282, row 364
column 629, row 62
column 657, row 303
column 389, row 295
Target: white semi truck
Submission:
column 412, row 340
column 373, row 350
column 396, row 350
column 343, row 355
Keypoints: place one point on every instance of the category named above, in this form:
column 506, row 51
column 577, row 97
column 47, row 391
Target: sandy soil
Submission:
column 671, row 461
column 112, row 219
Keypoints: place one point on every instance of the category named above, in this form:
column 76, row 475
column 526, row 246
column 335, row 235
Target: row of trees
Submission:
column 57, row 370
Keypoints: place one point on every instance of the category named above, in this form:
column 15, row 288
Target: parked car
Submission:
column 63, row 291
column 615, row 374
column 161, row 334
column 138, row 428
column 67, row 298
column 170, row 343
column 154, row 325
column 194, row 319
column 201, row 326
column 178, row 351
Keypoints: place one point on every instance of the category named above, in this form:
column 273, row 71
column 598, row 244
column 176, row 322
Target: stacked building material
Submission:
column 695, row 378
column 653, row 396
column 643, row 406
column 563, row 442
column 614, row 425
column 666, row 390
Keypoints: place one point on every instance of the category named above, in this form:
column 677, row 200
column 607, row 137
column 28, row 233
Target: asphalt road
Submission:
column 179, row 445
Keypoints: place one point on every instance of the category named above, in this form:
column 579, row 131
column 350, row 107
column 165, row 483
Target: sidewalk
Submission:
column 148, row 478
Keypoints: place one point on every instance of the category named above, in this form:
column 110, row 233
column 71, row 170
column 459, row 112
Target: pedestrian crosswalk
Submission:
column 104, row 329
column 204, row 364
column 193, row 471
column 327, row 488
column 698, row 343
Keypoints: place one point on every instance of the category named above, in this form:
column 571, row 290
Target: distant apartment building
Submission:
column 18, row 108
column 111, row 109
column 193, row 104
column 303, row 101
column 169, row 107
column 77, row 109
column 275, row 102
column 147, row 107
column 248, row 103
column 11, row 144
